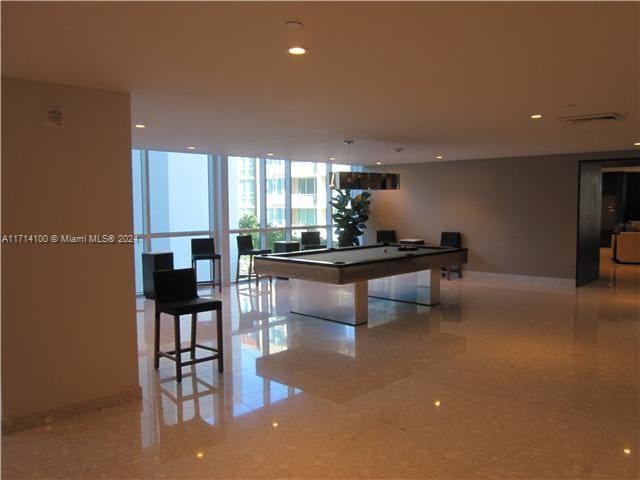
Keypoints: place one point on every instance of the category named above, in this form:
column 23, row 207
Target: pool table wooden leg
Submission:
column 434, row 287
column 361, row 302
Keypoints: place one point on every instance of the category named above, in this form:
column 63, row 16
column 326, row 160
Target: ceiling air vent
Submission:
column 595, row 117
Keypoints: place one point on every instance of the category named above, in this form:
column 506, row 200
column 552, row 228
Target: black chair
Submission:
column 454, row 240
column 176, row 294
column 245, row 248
column 311, row 241
column 386, row 236
column 205, row 249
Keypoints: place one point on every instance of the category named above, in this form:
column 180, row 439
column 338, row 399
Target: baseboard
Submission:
column 522, row 282
column 12, row 425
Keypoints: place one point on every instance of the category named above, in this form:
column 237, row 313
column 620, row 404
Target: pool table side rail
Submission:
column 318, row 271
column 300, row 254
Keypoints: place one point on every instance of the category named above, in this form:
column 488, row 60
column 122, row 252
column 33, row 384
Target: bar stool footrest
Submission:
column 211, row 283
column 171, row 355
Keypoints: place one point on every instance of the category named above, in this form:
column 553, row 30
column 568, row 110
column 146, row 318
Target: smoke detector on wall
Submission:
column 55, row 116
column 594, row 117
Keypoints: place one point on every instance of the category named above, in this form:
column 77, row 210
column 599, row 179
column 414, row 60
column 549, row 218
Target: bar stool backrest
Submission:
column 309, row 238
column 203, row 246
column 451, row 239
column 175, row 285
column 385, row 236
column 245, row 243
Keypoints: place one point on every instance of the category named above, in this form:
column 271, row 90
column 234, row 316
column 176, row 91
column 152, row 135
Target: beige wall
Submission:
column 517, row 215
column 68, row 311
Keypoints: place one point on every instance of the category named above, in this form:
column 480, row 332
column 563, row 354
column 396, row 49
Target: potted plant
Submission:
column 350, row 215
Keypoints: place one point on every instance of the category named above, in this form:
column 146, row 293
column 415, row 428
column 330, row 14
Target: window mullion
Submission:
column 146, row 201
column 287, row 199
column 262, row 199
column 328, row 219
column 212, row 202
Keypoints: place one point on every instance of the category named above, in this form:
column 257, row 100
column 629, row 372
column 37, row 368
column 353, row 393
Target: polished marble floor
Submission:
column 504, row 381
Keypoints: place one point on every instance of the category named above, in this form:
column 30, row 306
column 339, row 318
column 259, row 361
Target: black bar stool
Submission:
column 245, row 248
column 454, row 240
column 176, row 294
column 311, row 241
column 205, row 249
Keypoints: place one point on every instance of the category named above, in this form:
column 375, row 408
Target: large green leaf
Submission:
column 350, row 215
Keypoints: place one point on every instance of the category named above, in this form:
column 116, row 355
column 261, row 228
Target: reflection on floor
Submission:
column 501, row 381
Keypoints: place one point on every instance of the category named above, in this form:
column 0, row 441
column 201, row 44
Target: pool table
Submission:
column 335, row 284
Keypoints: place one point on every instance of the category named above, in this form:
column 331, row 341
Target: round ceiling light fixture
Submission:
column 297, row 50
column 140, row 125
column 439, row 157
column 536, row 116
column 637, row 144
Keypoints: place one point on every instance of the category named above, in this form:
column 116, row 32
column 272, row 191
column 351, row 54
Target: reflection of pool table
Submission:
column 335, row 284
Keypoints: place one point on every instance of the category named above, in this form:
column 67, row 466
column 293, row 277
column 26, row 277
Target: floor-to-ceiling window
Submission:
column 309, row 198
column 275, row 201
column 244, row 182
column 179, row 205
column 172, row 204
column 139, row 188
column 269, row 199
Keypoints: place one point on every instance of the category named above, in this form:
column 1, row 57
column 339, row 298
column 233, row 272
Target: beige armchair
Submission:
column 628, row 247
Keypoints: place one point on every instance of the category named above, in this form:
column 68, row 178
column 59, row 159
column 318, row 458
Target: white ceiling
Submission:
column 457, row 79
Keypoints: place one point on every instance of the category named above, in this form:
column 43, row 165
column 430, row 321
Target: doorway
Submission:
column 591, row 219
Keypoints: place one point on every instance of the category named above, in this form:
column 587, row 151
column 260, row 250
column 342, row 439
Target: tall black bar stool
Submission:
column 451, row 239
column 176, row 294
column 311, row 241
column 205, row 249
column 245, row 248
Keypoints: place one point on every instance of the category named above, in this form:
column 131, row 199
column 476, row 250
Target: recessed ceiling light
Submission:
column 140, row 125
column 439, row 157
column 332, row 158
column 637, row 144
column 190, row 147
column 200, row 454
column 270, row 154
column 293, row 25
column 627, row 451
column 536, row 116
column 437, row 403
column 378, row 163
column 297, row 50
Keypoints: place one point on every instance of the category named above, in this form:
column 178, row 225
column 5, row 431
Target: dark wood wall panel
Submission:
column 589, row 217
